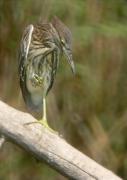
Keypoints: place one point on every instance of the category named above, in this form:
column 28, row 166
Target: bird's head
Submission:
column 65, row 38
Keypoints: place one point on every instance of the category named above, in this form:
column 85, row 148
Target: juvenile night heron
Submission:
column 42, row 45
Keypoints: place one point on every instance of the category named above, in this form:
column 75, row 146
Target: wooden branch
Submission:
column 49, row 147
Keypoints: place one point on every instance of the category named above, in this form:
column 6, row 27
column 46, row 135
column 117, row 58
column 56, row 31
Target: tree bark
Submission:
column 49, row 147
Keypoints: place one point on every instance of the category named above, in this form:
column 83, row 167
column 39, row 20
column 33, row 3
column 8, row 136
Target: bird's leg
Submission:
column 43, row 121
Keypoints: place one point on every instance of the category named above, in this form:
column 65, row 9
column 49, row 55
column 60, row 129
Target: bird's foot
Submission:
column 36, row 80
column 44, row 123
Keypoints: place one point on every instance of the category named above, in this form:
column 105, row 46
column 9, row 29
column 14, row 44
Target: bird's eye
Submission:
column 63, row 41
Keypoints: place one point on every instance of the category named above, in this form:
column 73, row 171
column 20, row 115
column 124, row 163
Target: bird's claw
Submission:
column 37, row 80
column 44, row 123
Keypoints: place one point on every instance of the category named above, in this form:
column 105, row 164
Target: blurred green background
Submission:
column 90, row 109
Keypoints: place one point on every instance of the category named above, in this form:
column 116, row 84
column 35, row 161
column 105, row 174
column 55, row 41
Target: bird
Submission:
column 41, row 49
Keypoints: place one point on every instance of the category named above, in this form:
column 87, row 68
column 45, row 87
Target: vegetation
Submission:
column 90, row 109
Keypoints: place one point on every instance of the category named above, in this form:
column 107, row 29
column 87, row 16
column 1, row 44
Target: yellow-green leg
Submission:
column 43, row 121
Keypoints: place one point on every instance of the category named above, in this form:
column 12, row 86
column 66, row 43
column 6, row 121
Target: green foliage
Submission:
column 90, row 109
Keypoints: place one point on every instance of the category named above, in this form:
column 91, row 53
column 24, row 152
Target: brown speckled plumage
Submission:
column 41, row 47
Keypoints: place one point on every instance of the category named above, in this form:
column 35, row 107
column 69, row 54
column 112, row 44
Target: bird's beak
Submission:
column 70, row 60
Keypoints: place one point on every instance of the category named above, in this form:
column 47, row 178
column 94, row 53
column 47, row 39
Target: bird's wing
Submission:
column 23, row 53
column 55, row 62
column 26, row 39
column 24, row 47
column 54, row 65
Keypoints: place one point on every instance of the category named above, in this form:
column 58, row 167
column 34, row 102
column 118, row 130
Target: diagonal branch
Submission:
column 49, row 147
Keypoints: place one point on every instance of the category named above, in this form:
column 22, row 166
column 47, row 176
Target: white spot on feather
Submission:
column 29, row 39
